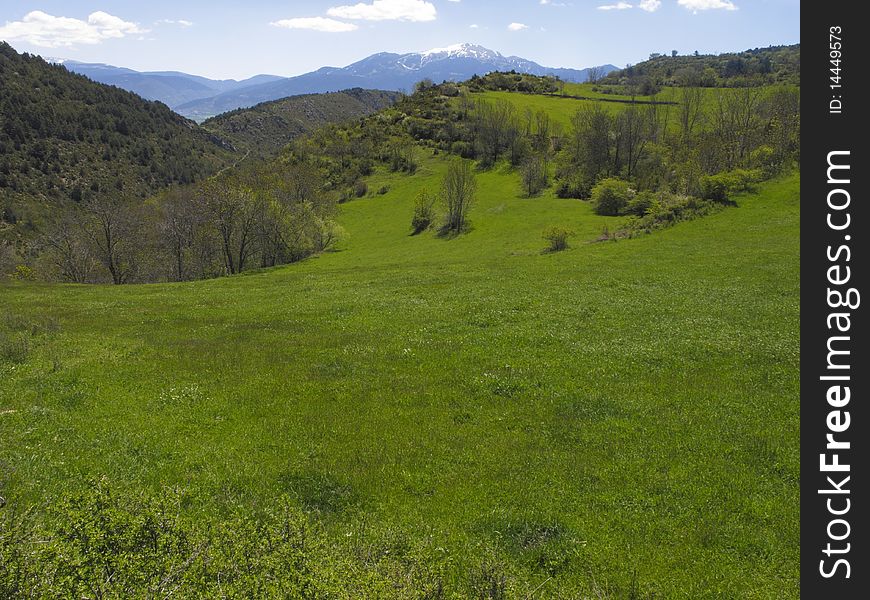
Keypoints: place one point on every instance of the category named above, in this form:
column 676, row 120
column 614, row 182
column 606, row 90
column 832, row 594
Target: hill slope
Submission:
column 66, row 138
column 267, row 127
column 383, row 71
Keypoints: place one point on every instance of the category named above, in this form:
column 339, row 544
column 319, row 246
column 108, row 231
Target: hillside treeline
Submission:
column 774, row 65
column 241, row 219
column 656, row 147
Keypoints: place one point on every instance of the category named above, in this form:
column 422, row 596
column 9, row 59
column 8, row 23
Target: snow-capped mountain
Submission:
column 384, row 71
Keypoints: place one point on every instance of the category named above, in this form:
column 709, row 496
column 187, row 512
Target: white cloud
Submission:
column 315, row 24
column 517, row 26
column 617, row 6
column 474, row 26
column 41, row 29
column 387, row 10
column 696, row 5
column 180, row 22
column 650, row 5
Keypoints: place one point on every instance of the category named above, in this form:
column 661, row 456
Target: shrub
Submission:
column 666, row 209
column 23, row 273
column 640, row 204
column 424, row 212
column 463, row 149
column 360, row 189
column 715, row 188
column 720, row 186
column 610, row 197
column 557, row 238
column 384, row 189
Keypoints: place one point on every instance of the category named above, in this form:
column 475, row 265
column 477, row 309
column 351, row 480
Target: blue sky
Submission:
column 232, row 39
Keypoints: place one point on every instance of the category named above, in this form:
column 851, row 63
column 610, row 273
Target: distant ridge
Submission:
column 173, row 88
column 200, row 97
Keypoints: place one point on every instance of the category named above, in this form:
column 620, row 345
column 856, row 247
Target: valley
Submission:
column 322, row 379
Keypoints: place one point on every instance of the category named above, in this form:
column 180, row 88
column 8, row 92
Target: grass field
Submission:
column 618, row 419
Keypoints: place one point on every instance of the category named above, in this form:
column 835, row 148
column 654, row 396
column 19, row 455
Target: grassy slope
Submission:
column 636, row 400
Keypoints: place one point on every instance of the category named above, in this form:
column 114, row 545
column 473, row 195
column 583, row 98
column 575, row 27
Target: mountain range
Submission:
column 200, row 98
column 173, row 88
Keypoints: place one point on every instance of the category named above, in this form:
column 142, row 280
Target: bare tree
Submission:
column 69, row 250
column 735, row 119
column 231, row 209
column 633, row 134
column 180, row 220
column 457, row 194
column 594, row 74
column 691, row 105
column 534, row 174
column 110, row 224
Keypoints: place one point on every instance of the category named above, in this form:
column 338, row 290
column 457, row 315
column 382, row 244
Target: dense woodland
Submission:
column 266, row 128
column 65, row 138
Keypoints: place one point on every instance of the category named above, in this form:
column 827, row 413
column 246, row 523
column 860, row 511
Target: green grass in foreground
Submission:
column 618, row 419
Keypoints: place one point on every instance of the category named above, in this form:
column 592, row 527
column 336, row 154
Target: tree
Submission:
column 691, row 101
column 534, row 174
column 110, row 224
column 457, row 193
column 181, row 217
column 69, row 249
column 594, row 74
column 590, row 141
column 633, row 131
column 232, row 210
column 424, row 212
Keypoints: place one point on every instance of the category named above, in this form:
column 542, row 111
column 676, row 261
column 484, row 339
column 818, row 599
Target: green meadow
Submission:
column 616, row 420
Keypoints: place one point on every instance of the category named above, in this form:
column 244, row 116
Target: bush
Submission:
column 557, row 238
column 424, row 212
column 640, row 204
column 23, row 273
column 666, row 209
column 715, row 188
column 610, row 197
column 360, row 189
column 383, row 189
column 721, row 186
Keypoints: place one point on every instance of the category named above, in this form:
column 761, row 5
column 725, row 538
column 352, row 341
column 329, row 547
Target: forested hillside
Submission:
column 266, row 128
column 759, row 66
column 65, row 138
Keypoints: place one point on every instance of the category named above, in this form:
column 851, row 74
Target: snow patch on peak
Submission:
column 462, row 50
